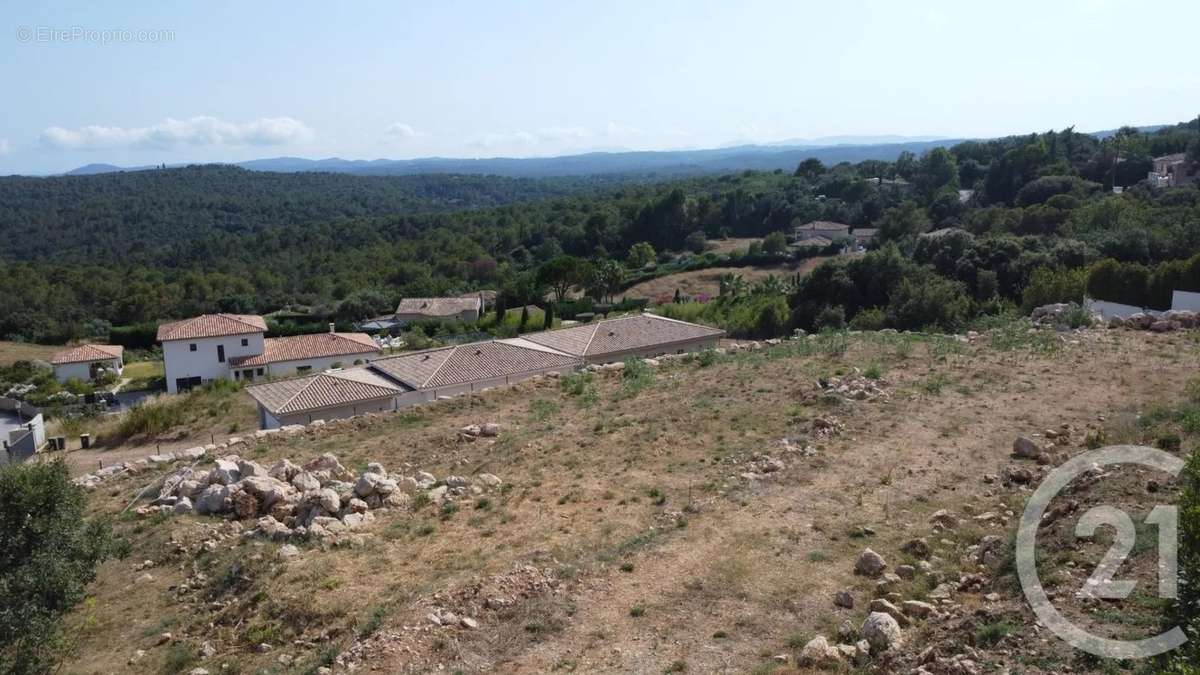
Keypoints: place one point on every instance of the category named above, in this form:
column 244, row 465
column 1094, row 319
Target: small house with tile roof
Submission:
column 466, row 309
column 85, row 362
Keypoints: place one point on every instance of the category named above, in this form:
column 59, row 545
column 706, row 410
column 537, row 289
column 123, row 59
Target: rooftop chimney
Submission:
column 331, row 328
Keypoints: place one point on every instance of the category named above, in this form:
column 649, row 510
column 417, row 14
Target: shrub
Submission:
column 1047, row 286
column 869, row 319
column 48, row 556
column 830, row 318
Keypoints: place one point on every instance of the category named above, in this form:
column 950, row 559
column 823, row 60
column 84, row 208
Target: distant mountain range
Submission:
column 785, row 155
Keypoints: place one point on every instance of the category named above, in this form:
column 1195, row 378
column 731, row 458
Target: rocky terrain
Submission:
column 841, row 502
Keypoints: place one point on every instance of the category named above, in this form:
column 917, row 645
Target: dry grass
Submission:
column 11, row 352
column 663, row 554
column 707, row 281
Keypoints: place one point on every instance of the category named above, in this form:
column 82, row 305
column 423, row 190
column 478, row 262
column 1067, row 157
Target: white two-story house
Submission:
column 199, row 349
column 233, row 346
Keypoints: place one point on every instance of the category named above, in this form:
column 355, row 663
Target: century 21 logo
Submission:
column 1101, row 584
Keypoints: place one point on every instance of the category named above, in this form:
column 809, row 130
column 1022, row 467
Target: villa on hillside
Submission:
column 466, row 309
column 85, row 362
column 1172, row 171
column 820, row 228
column 395, row 382
column 235, row 346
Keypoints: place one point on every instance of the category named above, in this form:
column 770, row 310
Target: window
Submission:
column 259, row 372
column 221, row 353
column 192, row 347
column 303, row 369
column 245, row 342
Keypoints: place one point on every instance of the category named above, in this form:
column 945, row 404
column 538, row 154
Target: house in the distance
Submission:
column 235, row 346
column 1172, row 171
column 86, row 362
column 821, row 228
column 864, row 236
column 465, row 309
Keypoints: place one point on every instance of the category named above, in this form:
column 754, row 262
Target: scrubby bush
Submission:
column 869, row 319
column 48, row 556
column 1050, row 286
column 830, row 318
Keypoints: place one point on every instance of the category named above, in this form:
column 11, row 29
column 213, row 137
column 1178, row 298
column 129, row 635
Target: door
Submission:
column 186, row 383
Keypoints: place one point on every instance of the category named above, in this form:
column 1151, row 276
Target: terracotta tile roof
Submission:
column 87, row 353
column 471, row 362
column 438, row 307
column 211, row 325
column 629, row 333
column 326, row 390
column 313, row 346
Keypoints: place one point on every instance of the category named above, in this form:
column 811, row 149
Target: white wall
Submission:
column 1185, row 300
column 1110, row 309
column 181, row 362
column 288, row 368
column 269, row 421
column 82, row 371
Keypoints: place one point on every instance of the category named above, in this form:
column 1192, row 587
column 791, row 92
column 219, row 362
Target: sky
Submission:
column 144, row 83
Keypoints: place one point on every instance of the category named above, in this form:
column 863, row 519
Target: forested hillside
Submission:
column 137, row 247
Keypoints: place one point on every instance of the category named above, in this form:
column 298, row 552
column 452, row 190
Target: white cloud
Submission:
column 398, row 132
column 556, row 136
column 621, row 131
column 5, row 148
column 195, row 131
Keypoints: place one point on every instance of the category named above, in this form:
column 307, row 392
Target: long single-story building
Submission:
column 394, row 382
column 462, row 369
column 327, row 396
column 637, row 336
column 85, row 362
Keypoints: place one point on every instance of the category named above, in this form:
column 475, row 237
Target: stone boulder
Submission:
column 818, row 653
column 225, row 472
column 882, row 632
column 870, row 564
column 213, row 499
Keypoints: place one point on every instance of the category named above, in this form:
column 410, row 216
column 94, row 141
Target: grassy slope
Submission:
column 628, row 504
column 24, row 351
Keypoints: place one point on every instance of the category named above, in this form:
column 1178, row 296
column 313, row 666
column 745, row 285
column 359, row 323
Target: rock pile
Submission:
column 472, row 432
column 1056, row 315
column 854, row 387
column 319, row 499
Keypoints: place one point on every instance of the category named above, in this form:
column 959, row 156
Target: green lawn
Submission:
column 143, row 375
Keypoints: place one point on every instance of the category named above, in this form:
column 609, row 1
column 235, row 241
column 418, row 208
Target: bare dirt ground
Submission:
column 638, row 530
column 708, row 281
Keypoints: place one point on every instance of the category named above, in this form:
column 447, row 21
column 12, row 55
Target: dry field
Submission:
column 708, row 281
column 626, row 538
column 24, row 351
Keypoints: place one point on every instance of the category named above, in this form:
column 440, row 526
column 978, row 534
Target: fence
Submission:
column 24, row 443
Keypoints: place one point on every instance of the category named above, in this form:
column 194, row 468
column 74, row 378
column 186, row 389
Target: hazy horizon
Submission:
column 134, row 86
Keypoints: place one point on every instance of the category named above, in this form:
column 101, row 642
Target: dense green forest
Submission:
column 137, row 247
